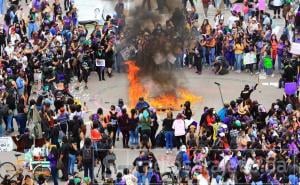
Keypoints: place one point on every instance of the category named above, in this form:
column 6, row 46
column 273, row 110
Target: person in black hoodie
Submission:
column 2, row 39
column 124, row 126
column 64, row 155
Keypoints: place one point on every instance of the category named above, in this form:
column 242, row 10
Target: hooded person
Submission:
column 246, row 93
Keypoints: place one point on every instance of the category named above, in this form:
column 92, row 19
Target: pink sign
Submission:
column 237, row 8
column 262, row 5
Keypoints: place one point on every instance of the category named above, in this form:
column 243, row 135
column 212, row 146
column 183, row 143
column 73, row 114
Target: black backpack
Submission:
column 11, row 101
column 87, row 155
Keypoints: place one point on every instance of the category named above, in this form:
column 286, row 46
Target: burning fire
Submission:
column 172, row 100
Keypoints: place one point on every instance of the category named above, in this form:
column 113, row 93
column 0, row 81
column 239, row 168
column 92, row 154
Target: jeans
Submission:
column 119, row 61
column 88, row 171
column 279, row 61
column 21, row 121
column 54, row 175
column 72, row 159
column 230, row 58
column 269, row 71
column 134, row 137
column 238, row 61
column 9, row 122
column 32, row 27
column 179, row 61
column 211, row 55
column 169, row 139
column 141, row 177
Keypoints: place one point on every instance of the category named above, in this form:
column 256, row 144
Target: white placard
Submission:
column 126, row 52
column 295, row 49
column 100, row 63
column 249, row 58
column 6, row 144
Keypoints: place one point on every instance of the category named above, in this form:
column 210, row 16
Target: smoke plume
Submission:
column 157, row 49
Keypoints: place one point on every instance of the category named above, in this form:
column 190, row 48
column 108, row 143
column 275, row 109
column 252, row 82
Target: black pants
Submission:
column 148, row 4
column 198, row 64
column 67, row 4
column 112, row 130
column 88, row 171
column 125, row 135
column 84, row 76
column 185, row 3
column 180, row 140
column 276, row 10
column 100, row 72
column 65, row 168
column 152, row 136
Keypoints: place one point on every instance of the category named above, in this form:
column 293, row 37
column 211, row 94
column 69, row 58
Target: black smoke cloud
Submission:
column 157, row 48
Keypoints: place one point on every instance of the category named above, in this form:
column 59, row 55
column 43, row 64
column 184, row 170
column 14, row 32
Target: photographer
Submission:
column 220, row 67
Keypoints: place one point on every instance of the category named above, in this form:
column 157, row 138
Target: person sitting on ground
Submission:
column 220, row 67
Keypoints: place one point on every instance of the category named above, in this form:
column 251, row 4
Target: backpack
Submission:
column 156, row 179
column 11, row 101
column 179, row 159
column 87, row 155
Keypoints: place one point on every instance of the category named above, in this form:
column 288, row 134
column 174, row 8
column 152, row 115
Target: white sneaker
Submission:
column 257, row 73
column 272, row 75
column 167, row 152
column 238, row 71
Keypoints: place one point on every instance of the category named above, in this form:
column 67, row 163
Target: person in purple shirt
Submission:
column 53, row 159
column 67, row 21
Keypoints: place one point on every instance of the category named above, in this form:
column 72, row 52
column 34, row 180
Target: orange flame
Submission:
column 172, row 100
column 136, row 88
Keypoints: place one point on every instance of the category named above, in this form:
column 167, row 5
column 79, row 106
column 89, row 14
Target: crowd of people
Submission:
column 43, row 53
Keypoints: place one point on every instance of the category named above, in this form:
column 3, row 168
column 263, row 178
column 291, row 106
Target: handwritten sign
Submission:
column 6, row 144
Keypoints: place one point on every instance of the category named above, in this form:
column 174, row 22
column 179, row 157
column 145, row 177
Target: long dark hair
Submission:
column 54, row 152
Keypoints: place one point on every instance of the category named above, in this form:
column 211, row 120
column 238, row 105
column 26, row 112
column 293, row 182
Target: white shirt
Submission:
column 201, row 180
column 231, row 20
column 179, row 127
column 9, row 50
column 277, row 3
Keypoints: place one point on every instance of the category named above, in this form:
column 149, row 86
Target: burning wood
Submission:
column 167, row 101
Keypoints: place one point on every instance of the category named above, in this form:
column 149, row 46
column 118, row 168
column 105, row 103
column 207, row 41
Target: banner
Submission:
column 6, row 144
